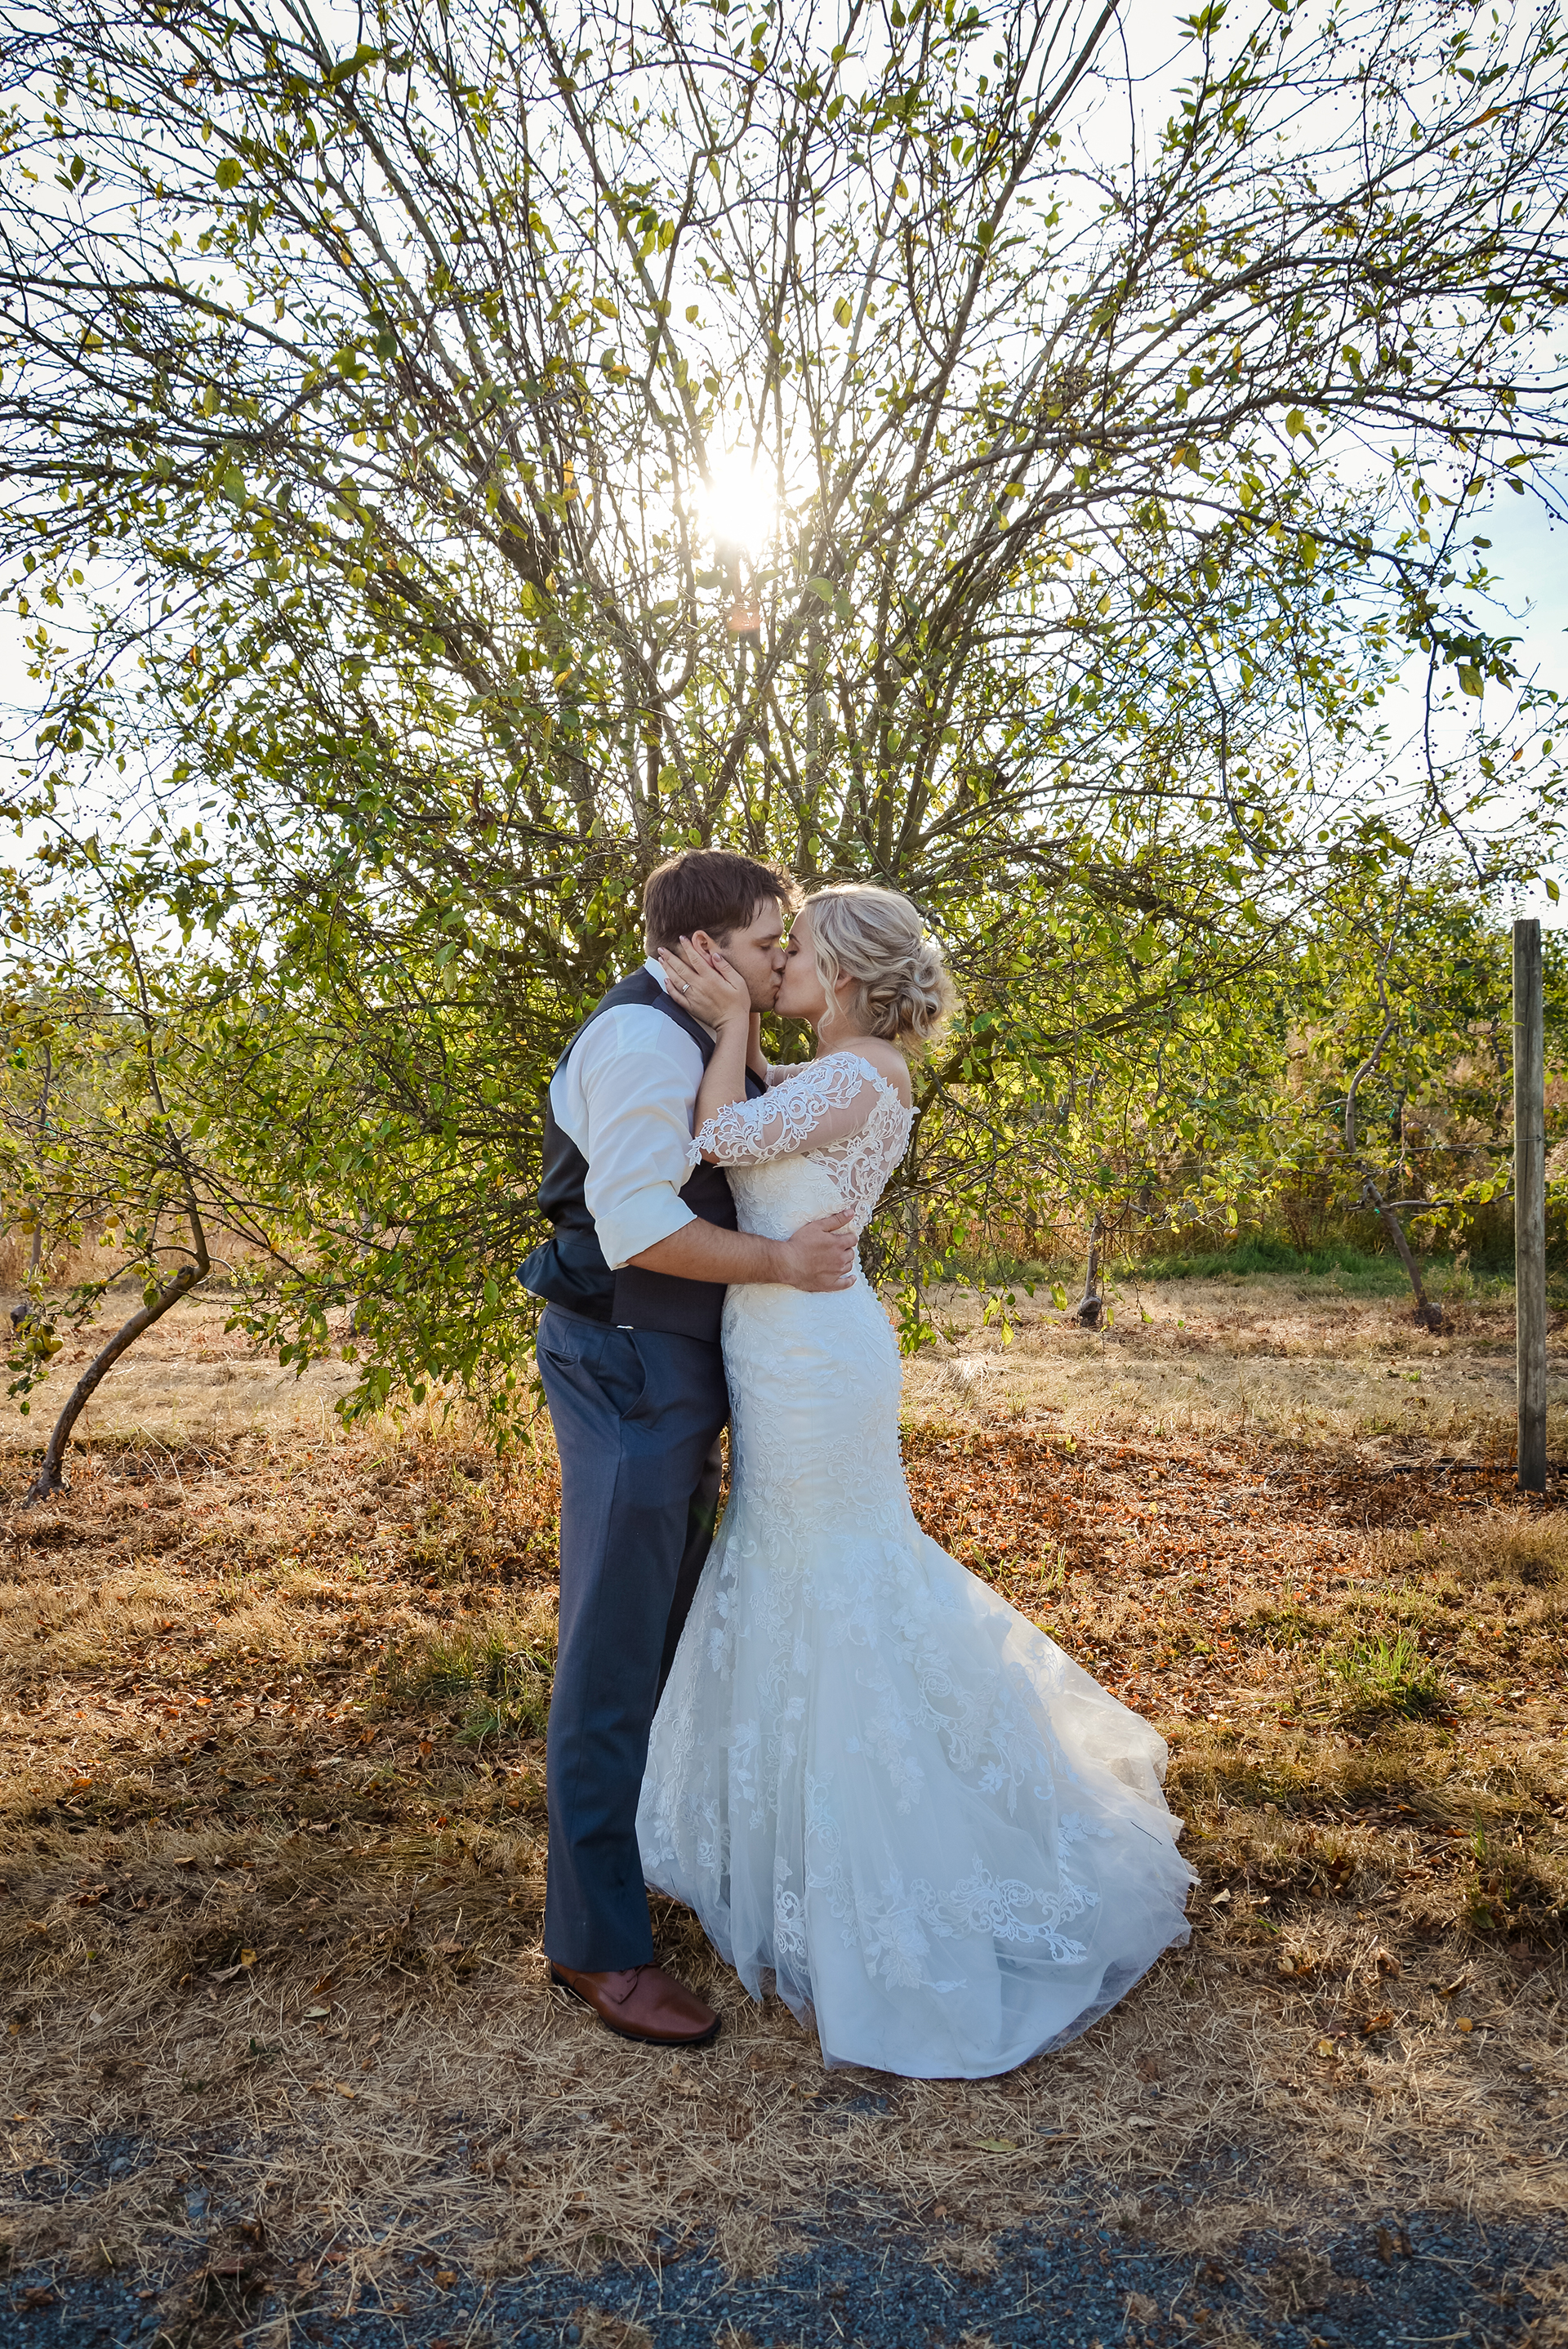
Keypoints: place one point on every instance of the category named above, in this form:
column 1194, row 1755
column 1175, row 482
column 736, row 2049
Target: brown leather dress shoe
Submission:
column 642, row 2002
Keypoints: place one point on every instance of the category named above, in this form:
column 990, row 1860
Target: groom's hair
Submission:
column 709, row 889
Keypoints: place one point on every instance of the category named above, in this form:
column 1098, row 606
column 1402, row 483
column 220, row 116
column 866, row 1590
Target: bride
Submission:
column 873, row 1781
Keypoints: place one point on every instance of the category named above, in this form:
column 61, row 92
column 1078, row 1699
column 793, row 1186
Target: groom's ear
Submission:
column 705, row 943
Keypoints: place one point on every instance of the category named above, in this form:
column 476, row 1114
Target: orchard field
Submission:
column 282, row 2058
column 1046, row 461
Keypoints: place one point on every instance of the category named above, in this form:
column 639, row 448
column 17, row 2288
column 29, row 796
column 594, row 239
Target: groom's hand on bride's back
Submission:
column 821, row 1254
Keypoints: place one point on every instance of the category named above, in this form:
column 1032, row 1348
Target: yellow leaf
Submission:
column 1463, row 2022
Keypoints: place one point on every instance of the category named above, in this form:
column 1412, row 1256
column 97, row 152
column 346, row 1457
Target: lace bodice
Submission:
column 840, row 1111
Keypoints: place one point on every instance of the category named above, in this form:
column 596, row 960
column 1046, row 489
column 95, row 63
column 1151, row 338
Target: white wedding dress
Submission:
column 884, row 1792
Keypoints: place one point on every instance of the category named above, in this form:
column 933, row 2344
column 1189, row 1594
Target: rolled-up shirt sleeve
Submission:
column 625, row 1098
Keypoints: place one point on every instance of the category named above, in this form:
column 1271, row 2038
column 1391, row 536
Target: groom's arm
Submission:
column 626, row 1102
column 819, row 1256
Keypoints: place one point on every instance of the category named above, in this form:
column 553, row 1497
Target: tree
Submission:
column 131, row 1056
column 398, row 411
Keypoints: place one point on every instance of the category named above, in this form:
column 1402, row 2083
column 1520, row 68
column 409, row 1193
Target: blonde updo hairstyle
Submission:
column 901, row 992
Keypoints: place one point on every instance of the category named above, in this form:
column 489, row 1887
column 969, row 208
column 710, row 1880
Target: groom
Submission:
column 633, row 1280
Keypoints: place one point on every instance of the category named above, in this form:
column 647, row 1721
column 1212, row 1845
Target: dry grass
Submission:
column 272, row 1854
column 190, row 1383
column 1290, row 1359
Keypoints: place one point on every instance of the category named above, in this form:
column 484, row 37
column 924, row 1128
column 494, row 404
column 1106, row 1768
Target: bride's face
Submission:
column 801, row 995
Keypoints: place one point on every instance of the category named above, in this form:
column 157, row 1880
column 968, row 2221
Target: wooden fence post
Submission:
column 1530, row 1203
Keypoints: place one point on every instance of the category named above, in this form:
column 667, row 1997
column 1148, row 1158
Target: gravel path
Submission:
column 1444, row 2280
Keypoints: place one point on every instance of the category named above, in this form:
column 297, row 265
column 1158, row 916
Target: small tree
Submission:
column 120, row 1049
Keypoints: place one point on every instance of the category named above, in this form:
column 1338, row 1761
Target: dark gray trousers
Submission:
column 638, row 1415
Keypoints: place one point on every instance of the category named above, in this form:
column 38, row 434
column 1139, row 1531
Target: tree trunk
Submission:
column 50, row 1478
column 1429, row 1315
column 1087, row 1312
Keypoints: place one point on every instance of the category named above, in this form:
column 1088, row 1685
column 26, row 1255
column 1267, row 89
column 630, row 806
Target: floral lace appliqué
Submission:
column 839, row 1111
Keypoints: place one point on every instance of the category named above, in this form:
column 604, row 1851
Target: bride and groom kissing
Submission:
column 884, row 1794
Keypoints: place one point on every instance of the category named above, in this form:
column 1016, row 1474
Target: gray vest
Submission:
column 569, row 1268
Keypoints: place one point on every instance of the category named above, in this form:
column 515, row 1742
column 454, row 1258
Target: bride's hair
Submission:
column 901, row 992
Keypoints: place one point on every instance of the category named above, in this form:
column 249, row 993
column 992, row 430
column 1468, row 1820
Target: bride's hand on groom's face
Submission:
column 705, row 984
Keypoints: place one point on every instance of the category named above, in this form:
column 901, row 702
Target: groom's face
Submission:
column 756, row 952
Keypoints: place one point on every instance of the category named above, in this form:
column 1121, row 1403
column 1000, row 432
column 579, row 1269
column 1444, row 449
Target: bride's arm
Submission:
column 821, row 1102
column 704, row 984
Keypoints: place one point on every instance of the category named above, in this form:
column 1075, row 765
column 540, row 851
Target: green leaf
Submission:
column 842, row 311
column 1470, row 679
column 229, row 172
column 1295, row 422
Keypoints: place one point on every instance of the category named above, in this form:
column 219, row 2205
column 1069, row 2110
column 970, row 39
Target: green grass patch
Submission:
column 492, row 1679
column 1348, row 1266
column 1385, row 1678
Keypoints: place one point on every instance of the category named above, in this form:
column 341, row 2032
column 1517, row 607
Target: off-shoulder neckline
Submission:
column 843, row 1053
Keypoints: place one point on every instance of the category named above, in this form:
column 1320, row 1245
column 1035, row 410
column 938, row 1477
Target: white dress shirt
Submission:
column 626, row 1097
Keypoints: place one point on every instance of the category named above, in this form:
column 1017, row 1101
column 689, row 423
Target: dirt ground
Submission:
column 281, row 2056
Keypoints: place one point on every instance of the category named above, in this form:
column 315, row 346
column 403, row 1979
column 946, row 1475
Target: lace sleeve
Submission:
column 822, row 1101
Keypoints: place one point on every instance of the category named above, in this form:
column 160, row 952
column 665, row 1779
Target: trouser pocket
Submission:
column 593, row 1357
